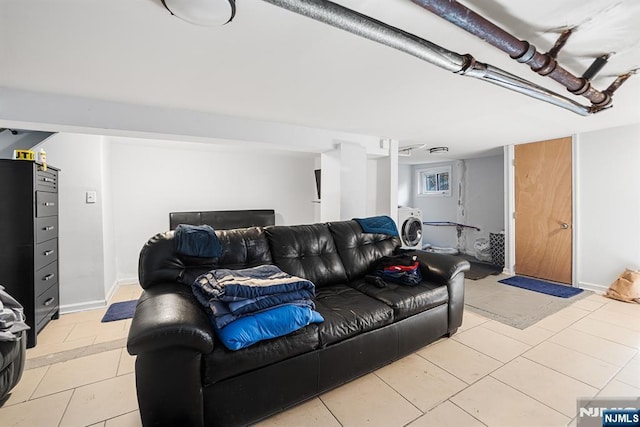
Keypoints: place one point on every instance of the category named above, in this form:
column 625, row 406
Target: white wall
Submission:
column 373, row 171
column 608, row 205
column 353, row 181
column 108, row 225
column 405, row 185
column 80, row 243
column 484, row 198
column 149, row 179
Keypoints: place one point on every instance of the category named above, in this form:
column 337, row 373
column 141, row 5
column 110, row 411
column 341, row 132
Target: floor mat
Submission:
column 479, row 270
column 511, row 305
column 120, row 310
column 537, row 285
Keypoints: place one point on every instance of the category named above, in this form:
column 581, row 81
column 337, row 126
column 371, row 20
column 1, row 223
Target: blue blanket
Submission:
column 272, row 323
column 232, row 294
column 197, row 241
column 378, row 225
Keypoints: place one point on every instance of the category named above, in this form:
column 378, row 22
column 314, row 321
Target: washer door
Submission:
column 412, row 232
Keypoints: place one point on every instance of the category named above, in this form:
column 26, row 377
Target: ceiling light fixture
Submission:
column 406, row 151
column 202, row 12
column 438, row 150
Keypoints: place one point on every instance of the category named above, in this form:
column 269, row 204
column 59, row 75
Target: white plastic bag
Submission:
column 483, row 249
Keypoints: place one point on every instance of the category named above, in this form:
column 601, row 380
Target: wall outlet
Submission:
column 91, row 196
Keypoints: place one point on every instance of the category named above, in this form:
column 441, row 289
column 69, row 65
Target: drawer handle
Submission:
column 48, row 204
column 48, row 180
column 49, row 277
column 48, row 228
column 49, row 301
column 47, row 253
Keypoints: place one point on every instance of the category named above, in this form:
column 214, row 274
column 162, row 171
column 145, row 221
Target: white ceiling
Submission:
column 271, row 64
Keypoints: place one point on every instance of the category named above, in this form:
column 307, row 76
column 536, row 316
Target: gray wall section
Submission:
column 484, row 198
column 139, row 182
column 608, row 205
column 23, row 140
column 437, row 208
column 477, row 199
column 81, row 233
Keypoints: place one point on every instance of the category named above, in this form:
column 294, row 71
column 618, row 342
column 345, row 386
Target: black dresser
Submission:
column 29, row 240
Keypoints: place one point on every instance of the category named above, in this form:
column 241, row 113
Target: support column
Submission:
column 344, row 182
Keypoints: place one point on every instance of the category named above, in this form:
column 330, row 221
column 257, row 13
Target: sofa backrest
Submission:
column 326, row 253
column 358, row 250
column 243, row 248
column 160, row 262
column 307, row 251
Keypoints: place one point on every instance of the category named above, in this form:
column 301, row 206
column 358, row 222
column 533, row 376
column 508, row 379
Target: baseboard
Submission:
column 127, row 281
column 82, row 306
column 118, row 283
column 599, row 289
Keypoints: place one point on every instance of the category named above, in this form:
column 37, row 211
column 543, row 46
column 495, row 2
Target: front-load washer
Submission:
column 410, row 227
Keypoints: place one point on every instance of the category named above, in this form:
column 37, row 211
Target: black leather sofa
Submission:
column 185, row 377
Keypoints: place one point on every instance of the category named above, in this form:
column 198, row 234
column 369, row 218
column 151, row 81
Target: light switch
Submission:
column 91, row 196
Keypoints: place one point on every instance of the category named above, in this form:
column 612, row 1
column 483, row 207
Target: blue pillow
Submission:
column 197, row 241
column 267, row 324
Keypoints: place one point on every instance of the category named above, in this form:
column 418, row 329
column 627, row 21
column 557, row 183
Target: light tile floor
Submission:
column 80, row 374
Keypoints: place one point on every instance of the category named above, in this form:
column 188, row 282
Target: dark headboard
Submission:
column 224, row 220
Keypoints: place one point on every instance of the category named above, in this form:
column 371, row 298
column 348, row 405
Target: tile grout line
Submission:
column 73, row 391
column 566, row 374
column 329, row 409
column 591, row 355
column 465, row 411
column 531, row 397
column 397, row 391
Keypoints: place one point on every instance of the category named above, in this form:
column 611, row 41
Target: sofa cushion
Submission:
column 307, row 251
column 405, row 300
column 358, row 250
column 348, row 312
column 223, row 363
column 160, row 261
column 241, row 248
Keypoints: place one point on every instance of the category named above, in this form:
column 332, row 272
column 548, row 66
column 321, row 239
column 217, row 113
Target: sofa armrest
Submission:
column 447, row 270
column 442, row 267
column 169, row 316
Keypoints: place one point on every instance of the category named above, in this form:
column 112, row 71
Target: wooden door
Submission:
column 543, row 219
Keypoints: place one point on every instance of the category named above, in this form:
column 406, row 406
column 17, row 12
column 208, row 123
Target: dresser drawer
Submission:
column 46, row 253
column 47, row 180
column 46, row 204
column 46, row 228
column 45, row 277
column 46, row 306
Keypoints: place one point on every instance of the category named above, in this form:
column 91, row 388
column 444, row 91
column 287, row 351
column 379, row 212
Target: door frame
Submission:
column 510, row 209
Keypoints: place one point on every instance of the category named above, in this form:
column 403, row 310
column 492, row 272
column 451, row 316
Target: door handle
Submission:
column 564, row 225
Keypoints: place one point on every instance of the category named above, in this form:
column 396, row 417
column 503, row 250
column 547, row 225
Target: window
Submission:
column 434, row 181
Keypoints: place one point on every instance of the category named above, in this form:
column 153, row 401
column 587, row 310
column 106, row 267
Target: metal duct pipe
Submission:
column 520, row 50
column 372, row 29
